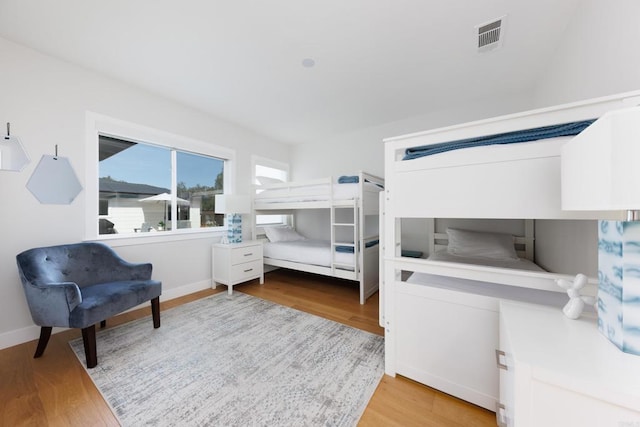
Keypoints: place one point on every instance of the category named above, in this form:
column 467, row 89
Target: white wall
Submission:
column 364, row 149
column 597, row 56
column 46, row 100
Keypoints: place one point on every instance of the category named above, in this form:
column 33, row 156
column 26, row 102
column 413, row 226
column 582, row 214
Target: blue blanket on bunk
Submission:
column 350, row 249
column 346, row 179
column 566, row 129
column 354, row 179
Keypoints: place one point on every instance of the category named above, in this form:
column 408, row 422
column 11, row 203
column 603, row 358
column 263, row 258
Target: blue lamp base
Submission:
column 234, row 228
column 619, row 283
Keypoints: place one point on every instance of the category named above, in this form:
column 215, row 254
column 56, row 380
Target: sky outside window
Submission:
column 148, row 164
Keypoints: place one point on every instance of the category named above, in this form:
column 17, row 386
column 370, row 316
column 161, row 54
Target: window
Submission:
column 136, row 192
column 273, row 171
column 144, row 182
column 200, row 178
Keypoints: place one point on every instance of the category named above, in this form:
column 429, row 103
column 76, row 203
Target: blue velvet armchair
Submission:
column 79, row 285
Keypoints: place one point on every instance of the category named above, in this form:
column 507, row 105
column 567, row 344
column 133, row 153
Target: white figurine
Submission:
column 576, row 303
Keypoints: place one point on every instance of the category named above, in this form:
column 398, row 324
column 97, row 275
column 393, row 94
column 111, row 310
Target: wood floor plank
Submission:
column 56, row 390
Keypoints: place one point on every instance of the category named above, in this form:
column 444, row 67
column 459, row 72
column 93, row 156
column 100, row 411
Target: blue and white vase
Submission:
column 234, row 228
column 619, row 283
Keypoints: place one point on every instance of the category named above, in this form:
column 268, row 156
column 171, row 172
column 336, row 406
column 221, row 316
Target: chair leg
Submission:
column 45, row 334
column 155, row 311
column 89, row 340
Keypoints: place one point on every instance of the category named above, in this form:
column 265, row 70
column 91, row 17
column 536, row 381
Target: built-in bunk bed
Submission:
column 350, row 249
column 441, row 316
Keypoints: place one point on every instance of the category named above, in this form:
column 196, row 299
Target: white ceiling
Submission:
column 376, row 61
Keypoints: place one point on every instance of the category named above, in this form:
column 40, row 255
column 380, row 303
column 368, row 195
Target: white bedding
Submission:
column 307, row 251
column 312, row 193
column 519, row 264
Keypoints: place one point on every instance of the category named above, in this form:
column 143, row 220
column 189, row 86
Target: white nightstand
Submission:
column 235, row 263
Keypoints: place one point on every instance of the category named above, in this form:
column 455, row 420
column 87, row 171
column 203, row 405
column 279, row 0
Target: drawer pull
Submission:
column 246, row 271
column 499, row 354
column 249, row 254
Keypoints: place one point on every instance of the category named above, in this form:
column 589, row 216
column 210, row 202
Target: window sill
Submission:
column 116, row 240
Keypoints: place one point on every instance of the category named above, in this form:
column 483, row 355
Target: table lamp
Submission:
column 233, row 206
column 600, row 171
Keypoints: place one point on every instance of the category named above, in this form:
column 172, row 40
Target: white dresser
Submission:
column 235, row 263
column 563, row 372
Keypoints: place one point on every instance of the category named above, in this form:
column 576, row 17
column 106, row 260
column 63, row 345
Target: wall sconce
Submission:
column 600, row 171
column 13, row 156
column 233, row 205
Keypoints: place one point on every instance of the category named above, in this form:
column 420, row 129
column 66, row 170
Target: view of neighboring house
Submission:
column 137, row 208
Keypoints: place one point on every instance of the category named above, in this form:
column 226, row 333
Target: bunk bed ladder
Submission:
column 335, row 226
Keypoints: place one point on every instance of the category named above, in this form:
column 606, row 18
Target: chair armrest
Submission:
column 51, row 303
column 133, row 271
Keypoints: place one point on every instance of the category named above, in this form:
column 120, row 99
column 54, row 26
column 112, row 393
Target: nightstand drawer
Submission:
column 247, row 270
column 246, row 254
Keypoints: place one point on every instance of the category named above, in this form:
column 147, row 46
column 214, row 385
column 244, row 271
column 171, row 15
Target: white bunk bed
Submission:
column 350, row 251
column 441, row 324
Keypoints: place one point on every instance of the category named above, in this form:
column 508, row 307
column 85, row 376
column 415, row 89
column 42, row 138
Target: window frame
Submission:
column 274, row 164
column 98, row 124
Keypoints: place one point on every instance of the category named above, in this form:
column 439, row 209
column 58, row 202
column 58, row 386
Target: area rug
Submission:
column 236, row 360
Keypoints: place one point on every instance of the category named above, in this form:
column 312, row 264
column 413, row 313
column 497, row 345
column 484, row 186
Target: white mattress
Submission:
column 312, row 193
column 307, row 251
column 519, row 264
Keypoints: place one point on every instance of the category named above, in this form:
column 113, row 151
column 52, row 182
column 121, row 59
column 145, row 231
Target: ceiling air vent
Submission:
column 491, row 34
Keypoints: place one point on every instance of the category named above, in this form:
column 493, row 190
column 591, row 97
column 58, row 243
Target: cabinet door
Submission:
column 449, row 346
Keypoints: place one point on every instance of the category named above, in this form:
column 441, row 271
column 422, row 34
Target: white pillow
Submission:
column 469, row 243
column 282, row 234
column 265, row 180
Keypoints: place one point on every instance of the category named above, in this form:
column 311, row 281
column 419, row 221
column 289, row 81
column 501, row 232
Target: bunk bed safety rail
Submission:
column 324, row 191
column 296, row 184
column 515, row 137
column 545, row 281
column 571, row 112
column 317, row 187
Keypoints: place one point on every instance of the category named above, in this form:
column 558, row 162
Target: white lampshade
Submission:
column 232, row 204
column 601, row 166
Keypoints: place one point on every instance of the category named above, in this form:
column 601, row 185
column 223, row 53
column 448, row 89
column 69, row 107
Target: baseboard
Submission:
column 19, row 336
column 29, row 333
column 181, row 291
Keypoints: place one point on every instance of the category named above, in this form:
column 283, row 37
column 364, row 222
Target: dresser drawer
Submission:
column 246, row 271
column 246, row 254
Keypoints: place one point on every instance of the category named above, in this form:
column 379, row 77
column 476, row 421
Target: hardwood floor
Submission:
column 55, row 390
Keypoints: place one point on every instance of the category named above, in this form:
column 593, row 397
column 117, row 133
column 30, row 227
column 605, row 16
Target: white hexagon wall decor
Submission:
column 54, row 181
